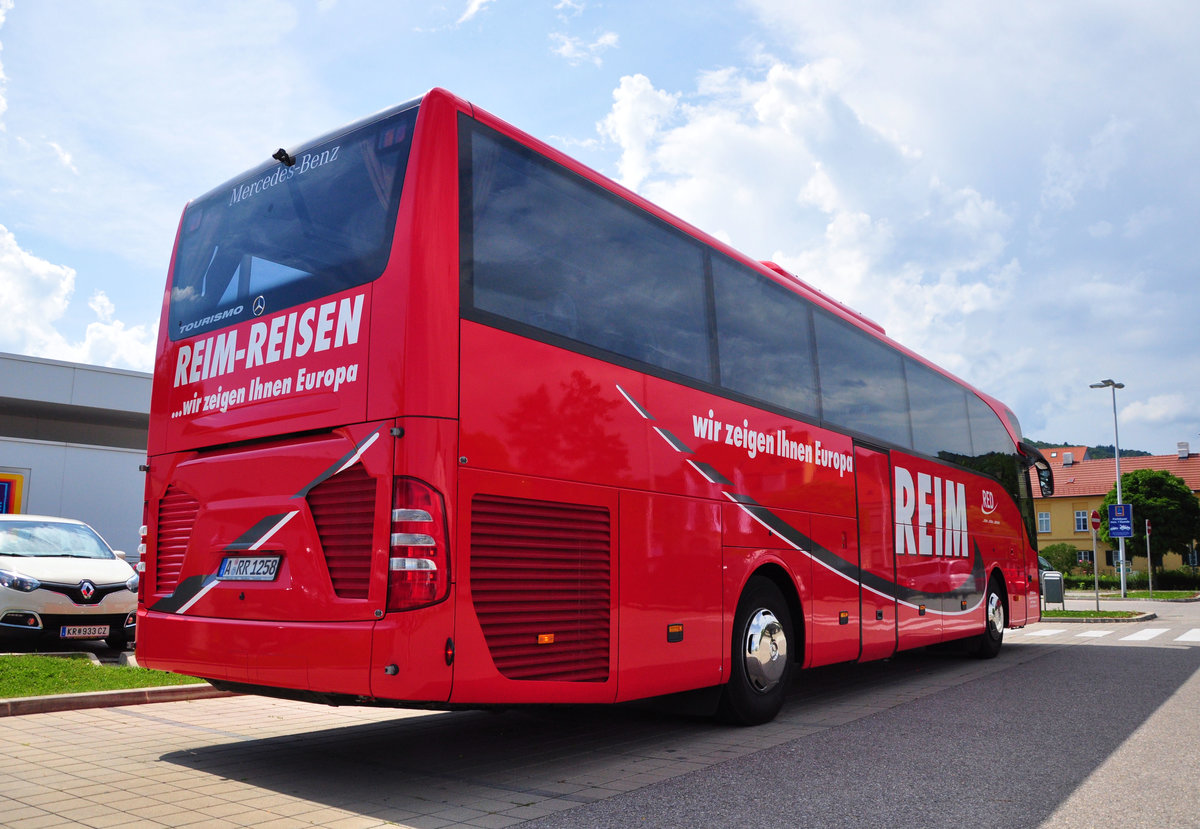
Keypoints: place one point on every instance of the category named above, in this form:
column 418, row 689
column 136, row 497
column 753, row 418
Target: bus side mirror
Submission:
column 1045, row 478
column 1045, row 475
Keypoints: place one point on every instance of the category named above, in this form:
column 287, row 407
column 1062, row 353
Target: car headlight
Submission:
column 16, row 581
column 132, row 584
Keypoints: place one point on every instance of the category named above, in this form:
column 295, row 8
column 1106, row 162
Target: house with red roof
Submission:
column 1080, row 485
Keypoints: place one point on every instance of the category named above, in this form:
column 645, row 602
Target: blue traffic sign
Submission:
column 1120, row 520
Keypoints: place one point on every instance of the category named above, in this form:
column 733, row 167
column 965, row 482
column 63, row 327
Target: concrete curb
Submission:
column 1088, row 620
column 107, row 699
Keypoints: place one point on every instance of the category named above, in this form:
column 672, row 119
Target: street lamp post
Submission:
column 1109, row 384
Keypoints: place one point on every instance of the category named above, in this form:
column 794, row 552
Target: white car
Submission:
column 59, row 580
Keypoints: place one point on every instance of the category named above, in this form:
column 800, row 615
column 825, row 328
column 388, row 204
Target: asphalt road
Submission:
column 1008, row 750
column 1077, row 737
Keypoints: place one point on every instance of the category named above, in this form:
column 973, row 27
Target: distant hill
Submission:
column 1096, row 453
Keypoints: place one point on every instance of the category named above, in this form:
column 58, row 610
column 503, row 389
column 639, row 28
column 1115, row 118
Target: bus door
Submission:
column 876, row 537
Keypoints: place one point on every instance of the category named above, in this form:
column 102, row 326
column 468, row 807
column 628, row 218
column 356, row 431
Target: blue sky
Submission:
column 1011, row 188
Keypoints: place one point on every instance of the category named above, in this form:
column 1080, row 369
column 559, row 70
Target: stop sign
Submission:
column 1095, row 520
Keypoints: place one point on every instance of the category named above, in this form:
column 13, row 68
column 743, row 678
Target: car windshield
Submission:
column 44, row 539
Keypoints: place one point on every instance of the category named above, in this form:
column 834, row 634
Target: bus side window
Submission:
column 554, row 251
column 939, row 413
column 862, row 382
column 764, row 336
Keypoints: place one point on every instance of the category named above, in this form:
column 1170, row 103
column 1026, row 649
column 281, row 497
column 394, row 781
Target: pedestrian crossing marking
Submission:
column 1144, row 635
column 1191, row 636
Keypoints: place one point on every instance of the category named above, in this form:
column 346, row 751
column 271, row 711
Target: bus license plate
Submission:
column 83, row 631
column 249, row 568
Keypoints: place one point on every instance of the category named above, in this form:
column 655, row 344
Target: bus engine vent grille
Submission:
column 542, row 587
column 343, row 508
column 177, row 513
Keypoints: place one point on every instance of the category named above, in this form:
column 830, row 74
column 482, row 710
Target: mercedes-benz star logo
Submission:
column 260, row 305
column 87, row 589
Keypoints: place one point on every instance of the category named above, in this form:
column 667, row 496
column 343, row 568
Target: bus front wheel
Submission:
column 761, row 666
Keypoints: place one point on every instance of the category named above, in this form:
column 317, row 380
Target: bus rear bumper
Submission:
column 324, row 657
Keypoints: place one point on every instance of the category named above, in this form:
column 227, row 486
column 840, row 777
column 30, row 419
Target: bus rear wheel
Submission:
column 761, row 666
column 995, row 609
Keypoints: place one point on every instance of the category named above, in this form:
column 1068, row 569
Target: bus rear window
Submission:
column 287, row 234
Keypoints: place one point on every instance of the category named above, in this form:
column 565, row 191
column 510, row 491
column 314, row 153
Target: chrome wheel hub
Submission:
column 995, row 615
column 764, row 650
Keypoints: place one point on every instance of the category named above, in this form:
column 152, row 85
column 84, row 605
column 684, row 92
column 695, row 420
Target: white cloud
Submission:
column 33, row 292
column 638, row 111
column 575, row 51
column 569, row 8
column 844, row 260
column 64, row 157
column 102, row 305
column 473, row 8
column 759, row 159
column 36, row 294
column 820, row 191
column 1162, row 408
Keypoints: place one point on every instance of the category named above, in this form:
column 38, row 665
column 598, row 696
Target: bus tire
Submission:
column 995, row 611
column 761, row 667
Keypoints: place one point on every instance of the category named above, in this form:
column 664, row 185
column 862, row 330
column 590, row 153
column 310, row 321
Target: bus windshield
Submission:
column 288, row 233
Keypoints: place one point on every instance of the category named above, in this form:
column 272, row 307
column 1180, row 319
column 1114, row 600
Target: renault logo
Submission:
column 87, row 589
column 260, row 305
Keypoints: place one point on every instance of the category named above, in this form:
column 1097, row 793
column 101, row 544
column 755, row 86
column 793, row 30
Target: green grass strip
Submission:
column 30, row 675
column 1089, row 614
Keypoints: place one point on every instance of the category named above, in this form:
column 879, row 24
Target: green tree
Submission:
column 1062, row 557
column 1165, row 500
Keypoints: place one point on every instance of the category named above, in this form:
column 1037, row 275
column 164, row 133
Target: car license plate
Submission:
column 83, row 631
column 249, row 568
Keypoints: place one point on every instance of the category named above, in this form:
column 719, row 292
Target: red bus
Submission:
column 443, row 418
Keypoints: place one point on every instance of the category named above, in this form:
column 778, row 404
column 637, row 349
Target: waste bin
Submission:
column 1052, row 588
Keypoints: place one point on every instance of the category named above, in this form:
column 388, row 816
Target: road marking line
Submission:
column 1144, row 635
column 1094, row 634
column 1192, row 635
column 1050, row 632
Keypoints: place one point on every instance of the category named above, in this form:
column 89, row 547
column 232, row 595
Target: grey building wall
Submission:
column 77, row 433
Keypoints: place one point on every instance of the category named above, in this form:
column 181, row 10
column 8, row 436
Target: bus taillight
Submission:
column 143, row 532
column 418, row 565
